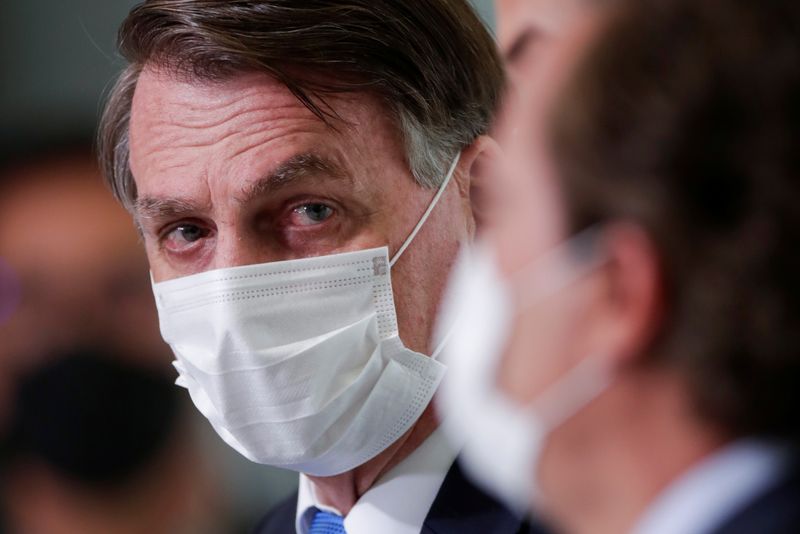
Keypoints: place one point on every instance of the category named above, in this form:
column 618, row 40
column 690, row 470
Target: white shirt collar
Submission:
column 399, row 501
column 710, row 493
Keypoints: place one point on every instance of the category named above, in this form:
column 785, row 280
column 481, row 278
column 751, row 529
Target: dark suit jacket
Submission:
column 459, row 508
column 775, row 511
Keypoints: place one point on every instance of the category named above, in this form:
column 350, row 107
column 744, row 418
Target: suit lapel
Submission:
column 462, row 508
column 776, row 511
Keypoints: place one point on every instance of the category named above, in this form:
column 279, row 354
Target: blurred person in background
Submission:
column 71, row 267
column 627, row 357
column 98, row 445
column 301, row 173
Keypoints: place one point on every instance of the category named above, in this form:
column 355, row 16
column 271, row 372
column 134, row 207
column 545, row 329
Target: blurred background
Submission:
column 94, row 436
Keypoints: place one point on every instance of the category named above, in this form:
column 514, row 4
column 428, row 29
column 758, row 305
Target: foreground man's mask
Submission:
column 502, row 440
column 298, row 364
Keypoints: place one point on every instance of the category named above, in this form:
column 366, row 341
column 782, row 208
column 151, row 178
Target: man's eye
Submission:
column 311, row 214
column 184, row 235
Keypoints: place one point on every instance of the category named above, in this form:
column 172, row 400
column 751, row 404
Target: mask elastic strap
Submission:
column 558, row 268
column 443, row 343
column 428, row 212
column 572, row 392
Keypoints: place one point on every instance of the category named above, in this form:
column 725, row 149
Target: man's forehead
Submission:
column 250, row 134
column 176, row 123
column 164, row 102
column 158, row 89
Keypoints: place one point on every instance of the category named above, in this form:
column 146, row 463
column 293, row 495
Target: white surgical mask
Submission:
column 503, row 440
column 298, row 364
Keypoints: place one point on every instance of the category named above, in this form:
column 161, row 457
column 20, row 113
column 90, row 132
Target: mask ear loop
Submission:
column 558, row 268
column 559, row 273
column 583, row 383
column 443, row 343
column 416, row 230
column 428, row 212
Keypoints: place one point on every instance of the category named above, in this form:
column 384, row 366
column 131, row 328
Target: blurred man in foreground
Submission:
column 528, row 25
column 628, row 357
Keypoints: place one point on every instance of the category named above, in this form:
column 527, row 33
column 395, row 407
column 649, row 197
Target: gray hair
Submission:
column 432, row 62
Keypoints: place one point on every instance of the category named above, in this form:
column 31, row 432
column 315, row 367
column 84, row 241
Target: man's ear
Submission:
column 479, row 162
column 633, row 295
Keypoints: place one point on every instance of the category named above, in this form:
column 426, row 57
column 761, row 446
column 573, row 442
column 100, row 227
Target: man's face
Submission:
column 240, row 173
column 536, row 20
column 526, row 213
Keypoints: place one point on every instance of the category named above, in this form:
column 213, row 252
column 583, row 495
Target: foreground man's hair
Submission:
column 685, row 118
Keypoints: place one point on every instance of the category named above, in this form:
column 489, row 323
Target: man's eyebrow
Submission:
column 161, row 208
column 528, row 38
column 296, row 168
column 307, row 165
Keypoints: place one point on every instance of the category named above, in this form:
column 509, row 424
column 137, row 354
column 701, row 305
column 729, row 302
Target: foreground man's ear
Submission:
column 479, row 162
column 633, row 298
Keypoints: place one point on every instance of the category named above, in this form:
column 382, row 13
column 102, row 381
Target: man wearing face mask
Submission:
column 626, row 357
column 301, row 173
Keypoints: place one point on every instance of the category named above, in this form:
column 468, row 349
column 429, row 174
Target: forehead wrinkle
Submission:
column 242, row 107
column 267, row 121
column 203, row 115
column 300, row 167
column 159, row 158
column 209, row 105
column 257, row 138
column 212, row 112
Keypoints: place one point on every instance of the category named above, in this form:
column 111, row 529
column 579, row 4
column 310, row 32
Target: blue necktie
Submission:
column 327, row 523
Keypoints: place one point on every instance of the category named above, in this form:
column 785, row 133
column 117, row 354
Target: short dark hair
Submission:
column 432, row 62
column 685, row 118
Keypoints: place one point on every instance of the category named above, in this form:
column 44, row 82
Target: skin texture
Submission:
column 200, row 154
column 601, row 467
